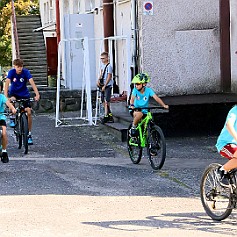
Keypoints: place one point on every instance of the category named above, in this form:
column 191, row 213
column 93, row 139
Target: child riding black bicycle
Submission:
column 140, row 99
column 4, row 101
column 18, row 77
column 227, row 146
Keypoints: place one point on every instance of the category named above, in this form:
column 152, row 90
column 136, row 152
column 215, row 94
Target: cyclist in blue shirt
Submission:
column 3, row 102
column 227, row 145
column 16, row 88
column 140, row 98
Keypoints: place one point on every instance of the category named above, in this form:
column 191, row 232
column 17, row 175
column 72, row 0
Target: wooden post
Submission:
column 57, row 21
column 15, row 30
column 225, row 58
column 108, row 21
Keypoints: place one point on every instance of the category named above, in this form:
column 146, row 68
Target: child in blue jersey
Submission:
column 140, row 98
column 227, row 145
column 16, row 88
column 3, row 102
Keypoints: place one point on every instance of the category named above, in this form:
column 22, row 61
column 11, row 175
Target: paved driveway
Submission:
column 79, row 181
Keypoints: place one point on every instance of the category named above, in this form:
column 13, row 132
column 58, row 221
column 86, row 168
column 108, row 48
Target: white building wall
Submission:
column 179, row 43
column 180, row 46
column 233, row 5
column 48, row 17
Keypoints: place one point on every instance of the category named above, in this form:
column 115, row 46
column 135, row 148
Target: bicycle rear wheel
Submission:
column 24, row 131
column 134, row 148
column 216, row 199
column 156, row 147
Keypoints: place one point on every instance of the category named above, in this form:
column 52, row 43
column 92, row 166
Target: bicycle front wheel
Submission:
column 18, row 133
column 156, row 147
column 216, row 199
column 24, row 131
column 134, row 148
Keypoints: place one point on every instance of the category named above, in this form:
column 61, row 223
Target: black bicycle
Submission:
column 218, row 201
column 21, row 123
column 148, row 135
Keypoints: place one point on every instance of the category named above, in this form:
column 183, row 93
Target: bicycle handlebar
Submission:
column 23, row 100
column 160, row 108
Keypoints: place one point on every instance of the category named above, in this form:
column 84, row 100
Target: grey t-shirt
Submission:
column 109, row 70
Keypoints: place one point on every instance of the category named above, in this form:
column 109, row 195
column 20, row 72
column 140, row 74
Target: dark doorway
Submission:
column 52, row 55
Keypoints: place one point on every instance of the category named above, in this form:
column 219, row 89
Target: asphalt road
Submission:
column 79, row 181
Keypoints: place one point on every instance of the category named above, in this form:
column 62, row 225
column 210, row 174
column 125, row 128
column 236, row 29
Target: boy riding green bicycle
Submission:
column 140, row 99
column 143, row 132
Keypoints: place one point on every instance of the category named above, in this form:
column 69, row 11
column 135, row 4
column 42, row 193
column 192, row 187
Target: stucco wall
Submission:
column 180, row 46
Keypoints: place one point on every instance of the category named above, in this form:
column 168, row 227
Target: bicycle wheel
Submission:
column 24, row 131
column 17, row 131
column 156, row 147
column 134, row 148
column 216, row 199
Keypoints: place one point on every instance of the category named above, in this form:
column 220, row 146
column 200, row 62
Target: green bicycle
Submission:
column 151, row 136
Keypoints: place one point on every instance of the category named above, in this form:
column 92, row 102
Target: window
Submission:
column 90, row 5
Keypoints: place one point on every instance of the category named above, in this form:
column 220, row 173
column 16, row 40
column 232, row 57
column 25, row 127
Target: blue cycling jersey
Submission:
column 19, row 82
column 142, row 99
column 3, row 101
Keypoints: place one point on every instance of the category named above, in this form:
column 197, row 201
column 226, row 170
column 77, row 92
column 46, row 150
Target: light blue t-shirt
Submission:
column 225, row 137
column 3, row 101
column 142, row 100
column 109, row 70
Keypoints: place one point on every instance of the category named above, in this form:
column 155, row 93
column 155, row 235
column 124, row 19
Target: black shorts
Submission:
column 3, row 122
column 27, row 104
column 143, row 116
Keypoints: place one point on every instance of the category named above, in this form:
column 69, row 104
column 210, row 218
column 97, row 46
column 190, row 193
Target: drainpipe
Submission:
column 108, row 21
column 15, row 30
column 225, row 58
column 57, row 21
column 134, row 29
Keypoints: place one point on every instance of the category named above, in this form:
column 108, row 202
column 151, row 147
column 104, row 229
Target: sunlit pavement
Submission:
column 81, row 182
column 75, row 215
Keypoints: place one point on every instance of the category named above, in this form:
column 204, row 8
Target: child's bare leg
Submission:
column 137, row 115
column 28, row 110
column 106, row 107
column 4, row 138
column 231, row 164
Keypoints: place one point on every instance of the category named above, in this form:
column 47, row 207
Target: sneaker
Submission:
column 224, row 181
column 111, row 119
column 30, row 141
column 4, row 157
column 133, row 131
column 105, row 119
column 223, row 178
column 12, row 123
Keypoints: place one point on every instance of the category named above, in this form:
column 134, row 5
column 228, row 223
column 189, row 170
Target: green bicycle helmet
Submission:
column 141, row 78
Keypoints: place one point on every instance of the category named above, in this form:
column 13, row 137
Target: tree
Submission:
column 22, row 7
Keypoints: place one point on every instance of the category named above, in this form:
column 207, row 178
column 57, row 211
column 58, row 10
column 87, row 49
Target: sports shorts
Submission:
column 106, row 94
column 3, row 122
column 228, row 151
